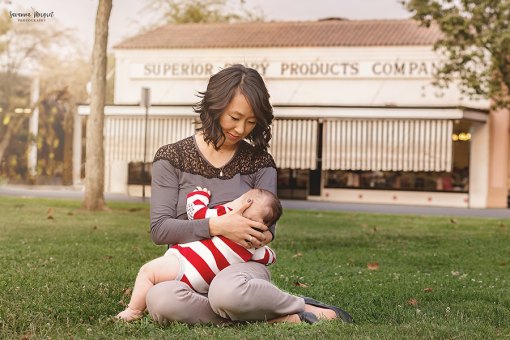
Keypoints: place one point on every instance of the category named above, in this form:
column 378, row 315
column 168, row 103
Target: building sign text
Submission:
column 284, row 69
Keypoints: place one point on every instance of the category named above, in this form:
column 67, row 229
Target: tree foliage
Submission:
column 475, row 44
column 5, row 26
column 43, row 50
column 57, row 108
column 22, row 47
column 203, row 11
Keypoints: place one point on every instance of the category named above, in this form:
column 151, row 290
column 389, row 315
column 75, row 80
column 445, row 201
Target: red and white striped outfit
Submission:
column 202, row 260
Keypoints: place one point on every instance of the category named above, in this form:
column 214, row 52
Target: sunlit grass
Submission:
column 64, row 271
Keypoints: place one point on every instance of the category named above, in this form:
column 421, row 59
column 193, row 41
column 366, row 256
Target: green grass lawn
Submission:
column 64, row 272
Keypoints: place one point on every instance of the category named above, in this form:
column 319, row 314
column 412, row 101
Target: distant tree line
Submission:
column 45, row 51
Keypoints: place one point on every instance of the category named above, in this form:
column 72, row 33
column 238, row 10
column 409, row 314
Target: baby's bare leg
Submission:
column 165, row 268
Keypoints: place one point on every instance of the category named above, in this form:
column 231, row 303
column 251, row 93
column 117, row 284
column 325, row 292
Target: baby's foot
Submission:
column 129, row 314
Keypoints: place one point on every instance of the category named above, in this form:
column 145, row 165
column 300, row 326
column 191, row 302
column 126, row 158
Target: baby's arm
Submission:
column 264, row 255
column 196, row 204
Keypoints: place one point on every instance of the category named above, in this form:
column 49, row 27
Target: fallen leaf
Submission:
column 297, row 255
column 373, row 266
column 49, row 214
column 412, row 302
column 300, row 284
column 127, row 292
column 455, row 273
column 27, row 336
column 427, row 290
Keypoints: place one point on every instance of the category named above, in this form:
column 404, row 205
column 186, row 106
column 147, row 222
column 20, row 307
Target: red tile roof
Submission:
column 327, row 33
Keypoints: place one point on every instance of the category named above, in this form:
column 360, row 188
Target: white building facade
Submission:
column 357, row 118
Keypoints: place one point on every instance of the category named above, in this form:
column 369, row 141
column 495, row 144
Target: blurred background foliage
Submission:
column 46, row 52
column 53, row 55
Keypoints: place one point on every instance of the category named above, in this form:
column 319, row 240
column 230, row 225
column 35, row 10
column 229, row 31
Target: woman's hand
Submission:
column 269, row 238
column 240, row 229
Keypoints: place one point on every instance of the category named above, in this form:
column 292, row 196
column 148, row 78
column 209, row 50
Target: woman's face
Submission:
column 237, row 121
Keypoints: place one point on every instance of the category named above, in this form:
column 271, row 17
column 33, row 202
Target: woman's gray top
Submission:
column 180, row 167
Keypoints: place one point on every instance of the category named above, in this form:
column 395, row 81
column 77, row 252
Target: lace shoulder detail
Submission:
column 184, row 155
column 177, row 152
column 250, row 161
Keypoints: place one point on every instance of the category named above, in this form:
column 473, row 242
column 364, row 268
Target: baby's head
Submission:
column 266, row 207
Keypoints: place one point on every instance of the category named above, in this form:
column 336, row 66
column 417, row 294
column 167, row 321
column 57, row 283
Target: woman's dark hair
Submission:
column 222, row 88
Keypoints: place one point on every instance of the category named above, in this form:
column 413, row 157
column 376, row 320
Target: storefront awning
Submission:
column 294, row 143
column 387, row 144
column 354, row 138
column 124, row 136
column 381, row 112
column 293, row 146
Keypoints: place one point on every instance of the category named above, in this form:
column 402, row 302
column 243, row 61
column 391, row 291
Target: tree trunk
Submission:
column 94, row 164
column 4, row 143
column 67, row 172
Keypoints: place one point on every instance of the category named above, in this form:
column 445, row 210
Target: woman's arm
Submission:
column 165, row 227
column 239, row 229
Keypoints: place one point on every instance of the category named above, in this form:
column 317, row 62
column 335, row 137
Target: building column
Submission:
column 315, row 181
column 33, row 128
column 499, row 122
column 479, row 165
column 77, row 149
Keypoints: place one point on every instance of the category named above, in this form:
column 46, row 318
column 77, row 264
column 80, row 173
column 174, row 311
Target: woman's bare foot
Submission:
column 293, row 318
column 321, row 313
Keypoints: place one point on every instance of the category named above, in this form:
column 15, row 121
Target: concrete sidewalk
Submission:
column 77, row 193
column 66, row 192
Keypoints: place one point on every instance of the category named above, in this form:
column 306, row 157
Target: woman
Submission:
column 234, row 108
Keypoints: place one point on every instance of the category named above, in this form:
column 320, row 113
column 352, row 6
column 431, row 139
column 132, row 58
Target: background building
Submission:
column 357, row 118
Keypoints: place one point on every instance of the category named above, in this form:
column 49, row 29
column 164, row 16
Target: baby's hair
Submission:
column 275, row 212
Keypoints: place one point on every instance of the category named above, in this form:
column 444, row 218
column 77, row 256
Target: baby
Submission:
column 197, row 263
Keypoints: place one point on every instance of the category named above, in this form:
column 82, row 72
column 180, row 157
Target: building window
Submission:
column 293, row 183
column 456, row 181
column 135, row 173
